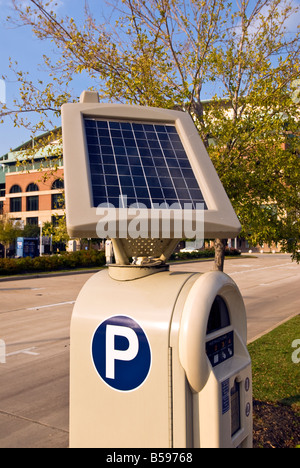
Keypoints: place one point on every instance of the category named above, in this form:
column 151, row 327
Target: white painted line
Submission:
column 51, row 305
column 260, row 269
column 23, row 351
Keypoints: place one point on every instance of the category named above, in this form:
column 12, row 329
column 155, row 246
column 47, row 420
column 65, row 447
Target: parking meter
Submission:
column 158, row 359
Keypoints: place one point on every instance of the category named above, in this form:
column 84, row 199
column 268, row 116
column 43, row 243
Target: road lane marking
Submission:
column 23, row 351
column 52, row 305
column 2, row 312
column 261, row 269
column 18, row 416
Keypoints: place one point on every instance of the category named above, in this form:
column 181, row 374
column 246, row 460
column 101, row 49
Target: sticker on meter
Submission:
column 121, row 353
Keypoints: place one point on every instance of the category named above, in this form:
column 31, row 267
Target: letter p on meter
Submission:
column 113, row 354
column 121, row 353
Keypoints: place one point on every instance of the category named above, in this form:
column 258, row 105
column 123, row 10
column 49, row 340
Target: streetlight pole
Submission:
column 41, row 237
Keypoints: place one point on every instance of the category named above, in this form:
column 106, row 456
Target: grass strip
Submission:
column 276, row 386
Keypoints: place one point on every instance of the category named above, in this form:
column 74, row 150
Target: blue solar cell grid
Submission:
column 145, row 162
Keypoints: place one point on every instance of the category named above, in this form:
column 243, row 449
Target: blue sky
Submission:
column 20, row 44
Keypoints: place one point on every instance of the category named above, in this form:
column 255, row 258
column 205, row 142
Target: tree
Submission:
column 31, row 231
column 167, row 53
column 9, row 231
column 57, row 230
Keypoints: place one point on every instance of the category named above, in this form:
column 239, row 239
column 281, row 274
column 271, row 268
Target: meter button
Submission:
column 247, row 384
column 220, row 349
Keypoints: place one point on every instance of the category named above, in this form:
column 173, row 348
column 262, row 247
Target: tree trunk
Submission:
column 220, row 245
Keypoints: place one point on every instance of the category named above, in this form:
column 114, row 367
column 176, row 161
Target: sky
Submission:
column 20, row 44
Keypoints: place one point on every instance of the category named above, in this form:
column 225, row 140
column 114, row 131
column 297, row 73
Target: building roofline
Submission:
column 30, row 143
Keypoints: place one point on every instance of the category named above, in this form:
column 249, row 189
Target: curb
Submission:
column 46, row 275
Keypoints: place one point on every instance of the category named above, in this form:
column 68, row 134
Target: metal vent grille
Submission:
column 144, row 247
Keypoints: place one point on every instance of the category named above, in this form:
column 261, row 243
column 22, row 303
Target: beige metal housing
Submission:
column 179, row 404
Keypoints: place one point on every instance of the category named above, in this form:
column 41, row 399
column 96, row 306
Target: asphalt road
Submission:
column 269, row 285
column 34, row 341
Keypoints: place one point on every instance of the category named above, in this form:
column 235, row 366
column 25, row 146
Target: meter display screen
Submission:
column 219, row 316
column 220, row 349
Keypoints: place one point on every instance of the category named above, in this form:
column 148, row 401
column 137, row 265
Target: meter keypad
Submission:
column 220, row 349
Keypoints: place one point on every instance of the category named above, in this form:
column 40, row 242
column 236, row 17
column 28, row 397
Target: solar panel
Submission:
column 120, row 159
column 143, row 163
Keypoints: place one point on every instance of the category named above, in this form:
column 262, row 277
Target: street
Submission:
column 269, row 285
column 35, row 340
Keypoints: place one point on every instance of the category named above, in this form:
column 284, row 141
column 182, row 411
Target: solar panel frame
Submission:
column 87, row 178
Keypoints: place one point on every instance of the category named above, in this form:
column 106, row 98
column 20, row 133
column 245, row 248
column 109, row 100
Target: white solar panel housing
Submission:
column 147, row 157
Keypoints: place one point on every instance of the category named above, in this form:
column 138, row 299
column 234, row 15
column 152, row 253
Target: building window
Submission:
column 57, row 201
column 32, row 188
column 55, row 220
column 15, row 189
column 2, row 190
column 58, row 184
column 32, row 221
column 15, row 205
column 32, row 203
column 1, row 207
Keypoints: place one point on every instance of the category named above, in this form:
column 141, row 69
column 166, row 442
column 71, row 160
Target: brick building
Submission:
column 31, row 188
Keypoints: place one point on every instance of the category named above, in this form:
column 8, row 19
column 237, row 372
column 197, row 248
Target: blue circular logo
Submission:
column 121, row 353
